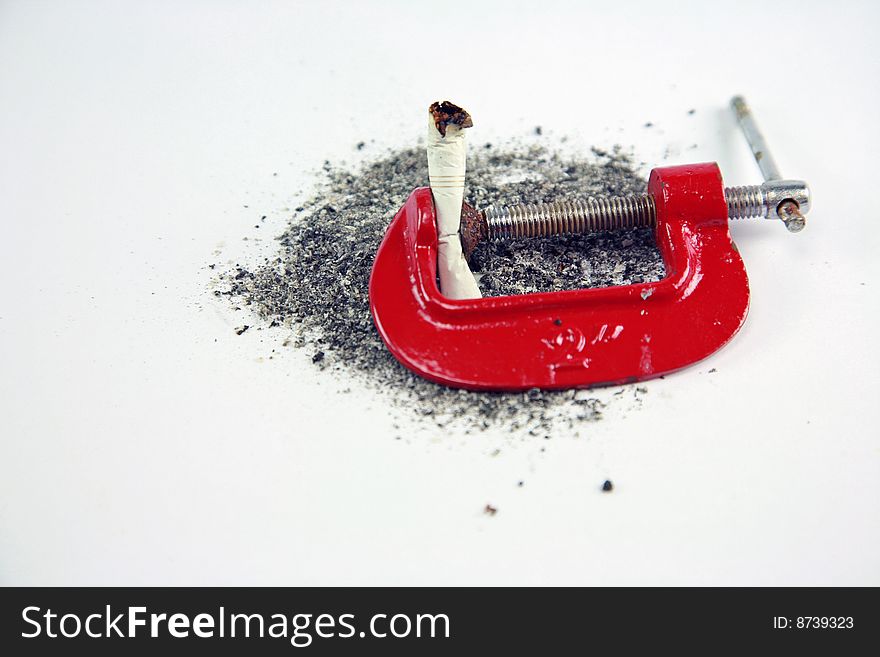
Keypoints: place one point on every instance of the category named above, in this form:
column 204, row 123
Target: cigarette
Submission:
column 447, row 153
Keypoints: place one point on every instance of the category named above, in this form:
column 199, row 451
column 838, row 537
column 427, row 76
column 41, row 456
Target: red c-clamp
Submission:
column 580, row 338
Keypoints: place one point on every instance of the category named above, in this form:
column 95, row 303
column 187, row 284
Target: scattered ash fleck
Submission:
column 607, row 486
column 317, row 285
column 241, row 329
column 490, row 510
column 539, row 130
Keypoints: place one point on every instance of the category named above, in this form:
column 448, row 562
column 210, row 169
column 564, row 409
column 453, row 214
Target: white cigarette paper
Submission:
column 446, row 169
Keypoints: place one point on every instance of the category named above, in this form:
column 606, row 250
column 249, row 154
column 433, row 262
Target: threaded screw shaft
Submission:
column 621, row 212
column 745, row 202
column 593, row 214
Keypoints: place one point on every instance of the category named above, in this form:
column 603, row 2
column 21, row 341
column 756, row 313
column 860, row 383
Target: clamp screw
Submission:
column 787, row 200
column 770, row 198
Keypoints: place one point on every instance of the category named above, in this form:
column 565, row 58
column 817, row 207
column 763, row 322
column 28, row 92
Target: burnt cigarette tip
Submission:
column 446, row 113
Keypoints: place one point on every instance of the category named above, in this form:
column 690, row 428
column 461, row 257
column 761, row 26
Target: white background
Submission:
column 143, row 442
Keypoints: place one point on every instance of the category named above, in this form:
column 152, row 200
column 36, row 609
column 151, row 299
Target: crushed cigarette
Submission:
column 447, row 155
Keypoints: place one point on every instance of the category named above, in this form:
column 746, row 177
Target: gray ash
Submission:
column 317, row 284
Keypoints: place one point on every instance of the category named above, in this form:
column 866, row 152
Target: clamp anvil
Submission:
column 590, row 337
